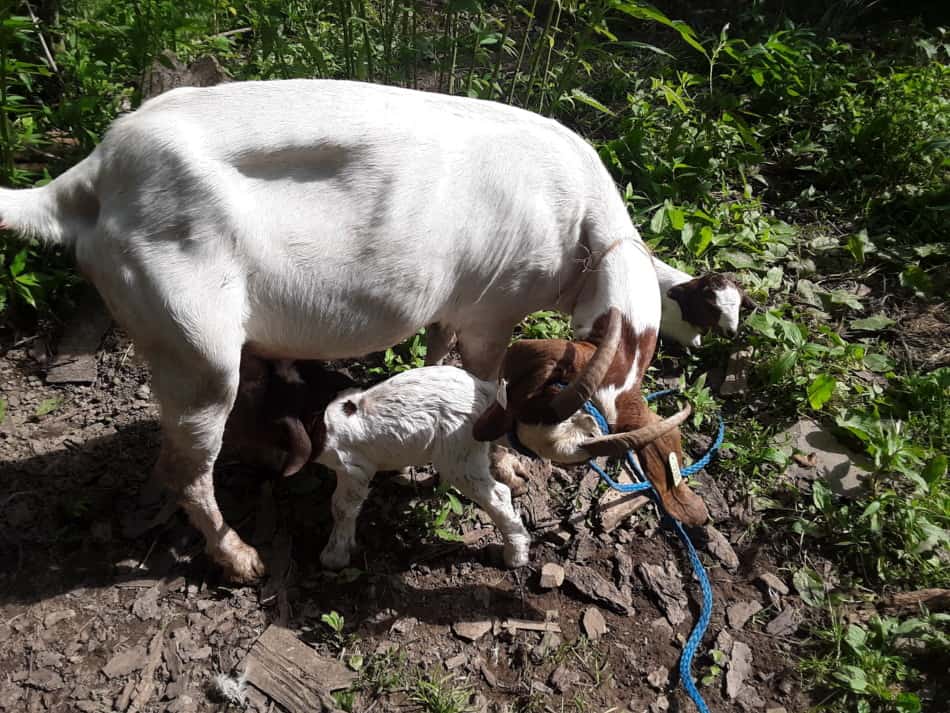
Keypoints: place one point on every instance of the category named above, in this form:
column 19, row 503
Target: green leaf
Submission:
column 841, row 297
column 18, row 262
column 736, row 258
column 782, row 366
column 810, row 586
column 585, row 98
column 48, row 406
column 658, row 220
column 700, row 241
column 914, row 278
column 676, row 217
column 859, row 246
column 853, row 677
column 874, row 323
column 355, row 662
column 878, row 363
column 454, row 504
column 933, row 472
column 447, row 535
column 820, row 390
column 3, row 410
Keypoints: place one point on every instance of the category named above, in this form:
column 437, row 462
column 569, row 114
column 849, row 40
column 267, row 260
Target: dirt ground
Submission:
column 100, row 612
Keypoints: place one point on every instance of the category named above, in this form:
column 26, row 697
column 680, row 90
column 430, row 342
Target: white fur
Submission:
column 320, row 219
column 416, row 417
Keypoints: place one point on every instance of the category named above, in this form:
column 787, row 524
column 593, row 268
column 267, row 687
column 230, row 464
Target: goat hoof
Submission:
column 334, row 559
column 516, row 556
column 241, row 563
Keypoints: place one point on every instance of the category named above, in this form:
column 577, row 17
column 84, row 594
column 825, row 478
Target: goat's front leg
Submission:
column 474, row 481
column 352, row 489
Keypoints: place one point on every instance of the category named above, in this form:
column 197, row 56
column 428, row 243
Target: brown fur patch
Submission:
column 679, row 501
column 697, row 299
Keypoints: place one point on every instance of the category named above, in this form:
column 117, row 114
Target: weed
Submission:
column 437, row 692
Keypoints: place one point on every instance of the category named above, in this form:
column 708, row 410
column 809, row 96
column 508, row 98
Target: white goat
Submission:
column 313, row 219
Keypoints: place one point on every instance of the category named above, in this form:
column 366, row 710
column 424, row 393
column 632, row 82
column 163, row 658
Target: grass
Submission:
column 809, row 156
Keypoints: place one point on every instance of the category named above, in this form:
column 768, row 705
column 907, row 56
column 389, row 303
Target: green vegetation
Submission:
column 809, row 155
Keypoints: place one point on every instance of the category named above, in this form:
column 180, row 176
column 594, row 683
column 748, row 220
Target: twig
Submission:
column 147, row 683
column 39, row 33
column 238, row 31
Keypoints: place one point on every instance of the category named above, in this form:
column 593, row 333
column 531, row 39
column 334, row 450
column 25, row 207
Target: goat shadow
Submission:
column 75, row 519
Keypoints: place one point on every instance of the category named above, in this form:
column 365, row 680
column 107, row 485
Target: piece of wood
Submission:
column 75, row 361
column 146, row 686
column 528, row 625
column 291, row 673
column 615, row 507
column 933, row 599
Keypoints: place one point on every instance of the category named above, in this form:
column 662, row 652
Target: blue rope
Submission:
column 705, row 614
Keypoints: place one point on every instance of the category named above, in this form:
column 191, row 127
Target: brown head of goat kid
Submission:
column 549, row 380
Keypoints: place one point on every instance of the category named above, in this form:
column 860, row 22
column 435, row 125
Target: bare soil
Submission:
column 86, row 589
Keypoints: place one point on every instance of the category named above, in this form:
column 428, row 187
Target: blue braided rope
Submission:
column 705, row 614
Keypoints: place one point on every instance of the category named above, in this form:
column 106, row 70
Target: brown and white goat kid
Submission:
column 417, row 417
column 318, row 219
column 693, row 306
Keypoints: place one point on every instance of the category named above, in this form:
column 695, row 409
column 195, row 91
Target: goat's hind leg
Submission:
column 474, row 480
column 196, row 392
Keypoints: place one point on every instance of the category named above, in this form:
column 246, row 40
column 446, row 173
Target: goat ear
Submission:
column 493, row 424
column 677, row 292
column 299, row 447
column 748, row 302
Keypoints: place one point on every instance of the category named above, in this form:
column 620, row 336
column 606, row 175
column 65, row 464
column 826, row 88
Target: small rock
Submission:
column 660, row 705
column 843, row 469
column 125, row 662
column 48, row 659
column 45, row 680
column 667, row 584
column 201, row 654
column 563, row 678
column 771, row 581
column 552, row 576
column 594, row 624
column 455, row 662
column 737, row 373
column 779, row 709
column 740, row 664
column 146, row 605
column 785, row 624
column 90, row 707
column 404, row 625
column 143, row 393
column 740, row 612
column 724, row 641
column 538, row 687
column 183, row 704
column 659, row 677
column 597, row 589
column 623, row 567
column 53, row 618
column 720, row 548
column 749, row 699
column 471, row 630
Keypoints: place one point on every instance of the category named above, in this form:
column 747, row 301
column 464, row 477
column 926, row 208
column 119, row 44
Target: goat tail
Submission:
column 55, row 213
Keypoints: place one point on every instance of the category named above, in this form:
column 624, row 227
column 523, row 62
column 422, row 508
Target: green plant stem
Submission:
column 524, row 47
column 499, row 56
column 367, row 45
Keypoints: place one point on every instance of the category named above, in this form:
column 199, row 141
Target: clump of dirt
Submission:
column 108, row 603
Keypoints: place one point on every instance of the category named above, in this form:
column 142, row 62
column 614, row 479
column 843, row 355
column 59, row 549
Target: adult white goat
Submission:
column 692, row 306
column 313, row 219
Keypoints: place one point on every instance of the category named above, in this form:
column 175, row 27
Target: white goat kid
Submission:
column 313, row 219
column 416, row 417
